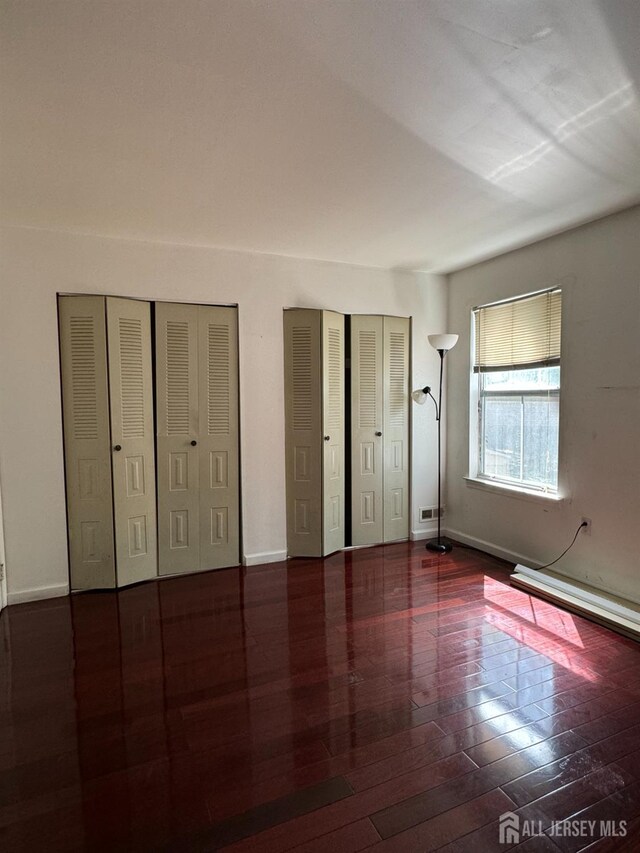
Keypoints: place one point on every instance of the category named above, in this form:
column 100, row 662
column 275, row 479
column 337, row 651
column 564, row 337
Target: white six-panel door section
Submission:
column 151, row 435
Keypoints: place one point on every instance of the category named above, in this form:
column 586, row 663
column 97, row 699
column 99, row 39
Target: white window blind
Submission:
column 518, row 334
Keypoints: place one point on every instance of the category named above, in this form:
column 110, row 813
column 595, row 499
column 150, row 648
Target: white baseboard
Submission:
column 424, row 533
column 490, row 548
column 264, row 557
column 37, row 594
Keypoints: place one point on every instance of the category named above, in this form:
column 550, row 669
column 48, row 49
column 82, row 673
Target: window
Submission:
column 517, row 383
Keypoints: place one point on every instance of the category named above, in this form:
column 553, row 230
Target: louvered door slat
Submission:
column 397, row 343
column 334, row 368
column 178, row 344
column 301, row 377
column 83, row 355
column 218, row 378
column 366, row 349
column 131, row 377
column 81, row 342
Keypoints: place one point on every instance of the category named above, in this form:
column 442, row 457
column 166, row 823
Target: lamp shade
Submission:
column 443, row 342
column 419, row 397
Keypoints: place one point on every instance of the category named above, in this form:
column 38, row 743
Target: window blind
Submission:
column 518, row 334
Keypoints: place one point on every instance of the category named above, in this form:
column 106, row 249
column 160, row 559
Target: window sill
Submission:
column 514, row 492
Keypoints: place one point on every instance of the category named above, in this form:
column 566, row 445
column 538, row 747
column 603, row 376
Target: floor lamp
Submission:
column 441, row 343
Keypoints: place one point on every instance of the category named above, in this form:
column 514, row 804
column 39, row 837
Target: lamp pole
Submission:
column 441, row 343
column 439, row 546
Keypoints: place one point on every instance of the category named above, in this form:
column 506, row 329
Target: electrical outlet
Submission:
column 587, row 529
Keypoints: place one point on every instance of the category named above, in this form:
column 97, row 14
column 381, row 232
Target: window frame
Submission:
column 476, row 476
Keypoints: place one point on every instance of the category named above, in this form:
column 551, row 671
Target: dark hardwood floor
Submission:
column 385, row 698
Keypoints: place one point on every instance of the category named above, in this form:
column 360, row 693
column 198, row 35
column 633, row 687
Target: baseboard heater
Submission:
column 609, row 610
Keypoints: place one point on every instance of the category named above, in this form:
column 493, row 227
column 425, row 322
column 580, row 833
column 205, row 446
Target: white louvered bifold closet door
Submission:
column 397, row 342
column 178, row 431
column 303, row 431
column 366, row 430
column 333, row 427
column 132, row 439
column 85, row 400
column 218, row 439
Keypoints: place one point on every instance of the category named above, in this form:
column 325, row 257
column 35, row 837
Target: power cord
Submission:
column 580, row 526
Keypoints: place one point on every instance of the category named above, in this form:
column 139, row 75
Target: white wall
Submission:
column 600, row 405
column 38, row 264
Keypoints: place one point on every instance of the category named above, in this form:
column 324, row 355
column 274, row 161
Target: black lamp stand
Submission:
column 439, row 545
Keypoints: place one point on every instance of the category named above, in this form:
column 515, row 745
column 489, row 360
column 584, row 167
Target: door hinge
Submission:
column 1, row 572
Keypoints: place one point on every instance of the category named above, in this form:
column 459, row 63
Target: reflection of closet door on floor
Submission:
column 133, row 464
column 333, row 426
column 366, row 430
column 178, row 428
column 396, row 333
column 218, row 448
column 85, row 398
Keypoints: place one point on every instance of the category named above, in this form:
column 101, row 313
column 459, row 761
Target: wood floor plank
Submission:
column 448, row 826
column 348, row 839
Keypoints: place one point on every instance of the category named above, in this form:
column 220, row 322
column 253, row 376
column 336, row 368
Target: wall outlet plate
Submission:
column 587, row 529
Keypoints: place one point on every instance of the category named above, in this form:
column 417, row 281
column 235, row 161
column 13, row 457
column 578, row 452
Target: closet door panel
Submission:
column 218, row 445
column 397, row 341
column 333, row 482
column 85, row 400
column 133, row 462
column 303, row 425
column 366, row 430
column 177, row 427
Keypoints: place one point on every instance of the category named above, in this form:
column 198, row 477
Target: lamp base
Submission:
column 440, row 546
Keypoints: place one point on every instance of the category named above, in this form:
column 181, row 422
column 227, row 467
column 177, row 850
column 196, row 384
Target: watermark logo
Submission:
column 509, row 828
column 513, row 830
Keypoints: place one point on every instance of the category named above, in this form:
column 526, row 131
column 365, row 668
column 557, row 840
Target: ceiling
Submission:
column 420, row 134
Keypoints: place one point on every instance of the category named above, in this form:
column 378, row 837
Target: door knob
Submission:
column 327, row 438
column 193, row 443
column 378, row 433
column 117, row 447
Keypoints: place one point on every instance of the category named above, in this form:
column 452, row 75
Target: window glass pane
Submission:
column 540, row 440
column 533, row 379
column 501, row 451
